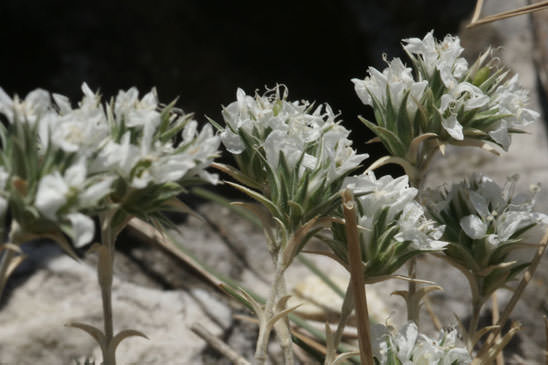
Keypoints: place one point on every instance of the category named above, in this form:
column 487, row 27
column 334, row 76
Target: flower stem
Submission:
column 282, row 329
column 346, row 311
column 473, row 325
column 264, row 331
column 413, row 303
column 104, row 276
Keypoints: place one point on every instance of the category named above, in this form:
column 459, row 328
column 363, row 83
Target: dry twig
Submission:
column 218, row 345
column 505, row 14
column 356, row 277
column 517, row 294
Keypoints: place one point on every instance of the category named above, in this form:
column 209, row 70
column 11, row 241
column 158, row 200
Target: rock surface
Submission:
column 63, row 290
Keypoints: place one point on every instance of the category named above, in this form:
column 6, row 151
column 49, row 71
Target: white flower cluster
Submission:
column 443, row 57
column 394, row 84
column 409, row 347
column 309, row 138
column 510, row 100
column 398, row 199
column 64, row 196
column 506, row 99
column 85, row 152
column 141, row 156
column 445, row 87
column 485, row 211
column 35, row 105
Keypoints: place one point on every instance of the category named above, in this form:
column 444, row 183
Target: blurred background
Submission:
column 202, row 50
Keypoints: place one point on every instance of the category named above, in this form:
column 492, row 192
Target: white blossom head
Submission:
column 390, row 88
column 141, row 149
column 35, row 106
column 393, row 226
column 65, row 163
column 296, row 154
column 486, row 224
column 441, row 97
column 408, row 346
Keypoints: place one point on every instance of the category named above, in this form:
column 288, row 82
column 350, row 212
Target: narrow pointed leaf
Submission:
column 122, row 335
column 92, row 331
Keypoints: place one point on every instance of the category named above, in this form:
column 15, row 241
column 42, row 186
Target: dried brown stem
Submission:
column 433, row 316
column 517, row 294
column 218, row 345
column 152, row 235
column 495, row 316
column 505, row 14
column 477, row 11
column 356, row 277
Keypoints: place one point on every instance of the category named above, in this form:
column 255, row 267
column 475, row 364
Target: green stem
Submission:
column 215, row 278
column 104, row 275
column 264, row 332
column 346, row 311
column 282, row 330
column 413, row 304
column 477, row 303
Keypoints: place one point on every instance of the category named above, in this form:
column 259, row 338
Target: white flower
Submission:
column 385, row 192
column 512, row 101
column 271, row 111
column 338, row 153
column 463, row 95
column 56, row 190
column 312, row 138
column 119, row 158
column 135, row 112
column 412, row 348
column 292, row 148
column 453, row 127
column 62, row 197
column 405, row 341
column 80, row 130
column 36, row 104
column 83, row 228
column 154, row 162
column 424, row 234
column 444, row 57
column 397, row 80
column 398, row 197
column 51, row 195
column 473, row 226
column 487, row 211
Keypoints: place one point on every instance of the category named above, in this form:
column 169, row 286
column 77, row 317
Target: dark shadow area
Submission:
column 202, row 50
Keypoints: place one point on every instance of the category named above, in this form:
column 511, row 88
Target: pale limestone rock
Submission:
column 31, row 322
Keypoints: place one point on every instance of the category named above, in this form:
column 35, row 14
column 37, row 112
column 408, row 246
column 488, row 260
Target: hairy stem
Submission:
column 282, row 329
column 264, row 331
